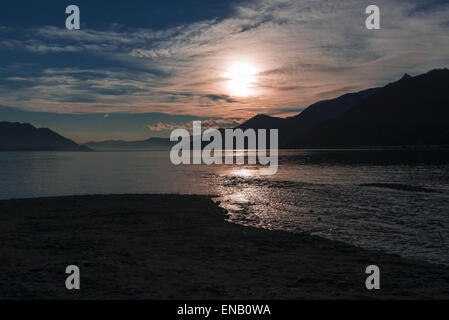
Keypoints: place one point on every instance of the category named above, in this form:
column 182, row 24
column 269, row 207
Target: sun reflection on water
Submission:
column 244, row 172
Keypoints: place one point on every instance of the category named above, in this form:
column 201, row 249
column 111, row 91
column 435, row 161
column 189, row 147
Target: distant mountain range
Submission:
column 317, row 113
column 410, row 111
column 16, row 136
column 148, row 144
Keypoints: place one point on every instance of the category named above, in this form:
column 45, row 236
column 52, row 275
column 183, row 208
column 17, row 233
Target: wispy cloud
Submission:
column 205, row 124
column 304, row 51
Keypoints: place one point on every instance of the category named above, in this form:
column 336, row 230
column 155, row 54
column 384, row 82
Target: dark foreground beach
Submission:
column 180, row 247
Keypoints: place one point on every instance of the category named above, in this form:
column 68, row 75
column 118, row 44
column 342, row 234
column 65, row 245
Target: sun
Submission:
column 241, row 79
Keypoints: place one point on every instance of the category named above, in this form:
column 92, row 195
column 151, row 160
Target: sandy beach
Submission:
column 180, row 247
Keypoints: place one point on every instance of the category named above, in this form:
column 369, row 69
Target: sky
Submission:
column 137, row 69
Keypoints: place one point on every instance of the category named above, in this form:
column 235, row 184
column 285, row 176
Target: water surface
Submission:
column 316, row 191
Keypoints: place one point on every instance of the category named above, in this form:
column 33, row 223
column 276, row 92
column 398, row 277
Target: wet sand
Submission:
column 180, row 247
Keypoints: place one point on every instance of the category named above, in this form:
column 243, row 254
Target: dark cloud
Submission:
column 220, row 98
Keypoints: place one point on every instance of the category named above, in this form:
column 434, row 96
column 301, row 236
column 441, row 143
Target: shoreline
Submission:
column 433, row 147
column 155, row 246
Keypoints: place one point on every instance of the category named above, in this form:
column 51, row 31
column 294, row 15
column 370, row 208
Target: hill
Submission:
column 315, row 114
column 148, row 144
column 412, row 111
column 16, row 136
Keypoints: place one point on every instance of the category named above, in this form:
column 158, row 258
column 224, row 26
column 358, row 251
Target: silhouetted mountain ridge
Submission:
column 15, row 136
column 291, row 127
column 412, row 111
column 151, row 144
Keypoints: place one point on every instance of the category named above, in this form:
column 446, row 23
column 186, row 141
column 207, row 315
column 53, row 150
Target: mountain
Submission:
column 322, row 111
column 16, row 136
column 411, row 111
column 262, row 121
column 148, row 144
column 315, row 114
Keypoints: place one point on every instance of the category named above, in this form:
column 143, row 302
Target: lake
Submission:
column 316, row 191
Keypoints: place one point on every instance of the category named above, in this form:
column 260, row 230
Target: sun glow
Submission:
column 242, row 79
column 244, row 173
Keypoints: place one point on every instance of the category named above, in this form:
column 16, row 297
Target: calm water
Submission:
column 314, row 191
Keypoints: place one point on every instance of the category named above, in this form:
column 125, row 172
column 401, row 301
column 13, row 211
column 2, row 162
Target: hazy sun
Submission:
column 242, row 78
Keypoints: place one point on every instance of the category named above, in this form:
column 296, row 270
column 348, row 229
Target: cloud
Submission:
column 205, row 124
column 220, row 97
column 166, row 126
column 304, row 50
column 150, row 53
